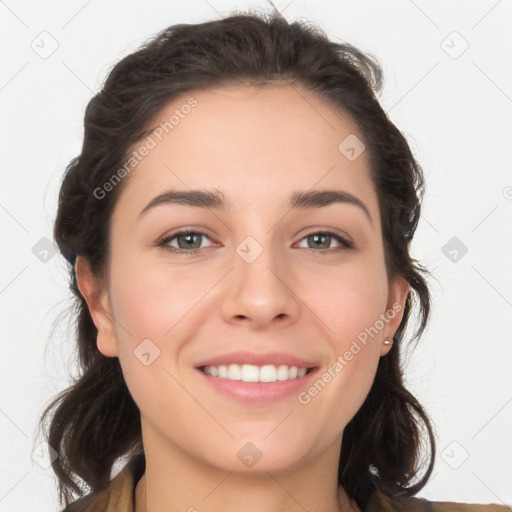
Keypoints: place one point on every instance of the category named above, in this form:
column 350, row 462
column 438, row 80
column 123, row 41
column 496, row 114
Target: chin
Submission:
column 256, row 454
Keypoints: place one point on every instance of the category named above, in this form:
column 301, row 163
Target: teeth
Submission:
column 234, row 372
column 252, row 373
column 268, row 373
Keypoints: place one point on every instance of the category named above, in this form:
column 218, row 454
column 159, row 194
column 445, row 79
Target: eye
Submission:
column 322, row 240
column 188, row 241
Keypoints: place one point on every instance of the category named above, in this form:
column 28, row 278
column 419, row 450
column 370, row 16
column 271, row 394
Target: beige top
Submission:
column 119, row 496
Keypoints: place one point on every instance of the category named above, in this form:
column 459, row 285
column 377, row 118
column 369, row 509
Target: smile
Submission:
column 253, row 373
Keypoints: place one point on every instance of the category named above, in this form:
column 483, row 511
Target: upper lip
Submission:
column 257, row 359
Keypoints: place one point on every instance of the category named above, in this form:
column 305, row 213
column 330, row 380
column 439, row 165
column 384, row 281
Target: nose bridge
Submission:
column 256, row 256
column 259, row 259
column 258, row 288
column 257, row 239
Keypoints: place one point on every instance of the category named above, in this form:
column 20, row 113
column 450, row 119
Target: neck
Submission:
column 175, row 481
column 343, row 503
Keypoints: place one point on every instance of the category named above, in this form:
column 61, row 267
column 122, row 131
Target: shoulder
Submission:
column 380, row 503
column 118, row 496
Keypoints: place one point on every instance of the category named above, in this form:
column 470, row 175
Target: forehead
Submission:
column 252, row 142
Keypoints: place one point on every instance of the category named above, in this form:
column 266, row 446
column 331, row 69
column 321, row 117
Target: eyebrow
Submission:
column 215, row 199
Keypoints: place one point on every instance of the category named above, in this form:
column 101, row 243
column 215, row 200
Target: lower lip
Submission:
column 259, row 392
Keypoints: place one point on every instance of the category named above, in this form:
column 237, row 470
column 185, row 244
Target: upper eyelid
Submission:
column 203, row 232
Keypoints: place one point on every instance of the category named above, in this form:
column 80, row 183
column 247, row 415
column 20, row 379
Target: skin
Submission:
column 257, row 146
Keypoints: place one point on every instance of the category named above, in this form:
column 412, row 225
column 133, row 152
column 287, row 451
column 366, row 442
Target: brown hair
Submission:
column 95, row 421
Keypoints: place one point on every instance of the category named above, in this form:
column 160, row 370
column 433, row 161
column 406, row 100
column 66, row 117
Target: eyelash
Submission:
column 346, row 244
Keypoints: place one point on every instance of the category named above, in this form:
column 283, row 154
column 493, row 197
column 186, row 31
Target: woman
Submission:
column 238, row 225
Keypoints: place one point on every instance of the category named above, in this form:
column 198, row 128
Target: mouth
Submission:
column 256, row 378
column 252, row 373
column 256, row 385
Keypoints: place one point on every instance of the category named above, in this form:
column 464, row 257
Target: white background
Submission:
column 455, row 111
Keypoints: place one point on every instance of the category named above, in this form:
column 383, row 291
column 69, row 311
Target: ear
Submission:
column 99, row 305
column 398, row 291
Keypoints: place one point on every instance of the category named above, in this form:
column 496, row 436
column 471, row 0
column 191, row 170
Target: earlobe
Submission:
column 99, row 306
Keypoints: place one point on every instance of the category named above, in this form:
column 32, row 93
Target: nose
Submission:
column 260, row 292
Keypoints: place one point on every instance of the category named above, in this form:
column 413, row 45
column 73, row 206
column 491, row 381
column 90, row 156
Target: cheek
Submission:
column 150, row 304
column 349, row 306
column 149, row 300
column 348, row 301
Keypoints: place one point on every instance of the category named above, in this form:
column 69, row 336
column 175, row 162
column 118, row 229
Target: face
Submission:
column 260, row 281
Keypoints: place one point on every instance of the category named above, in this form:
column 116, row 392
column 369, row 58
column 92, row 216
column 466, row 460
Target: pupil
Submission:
column 316, row 237
column 189, row 236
